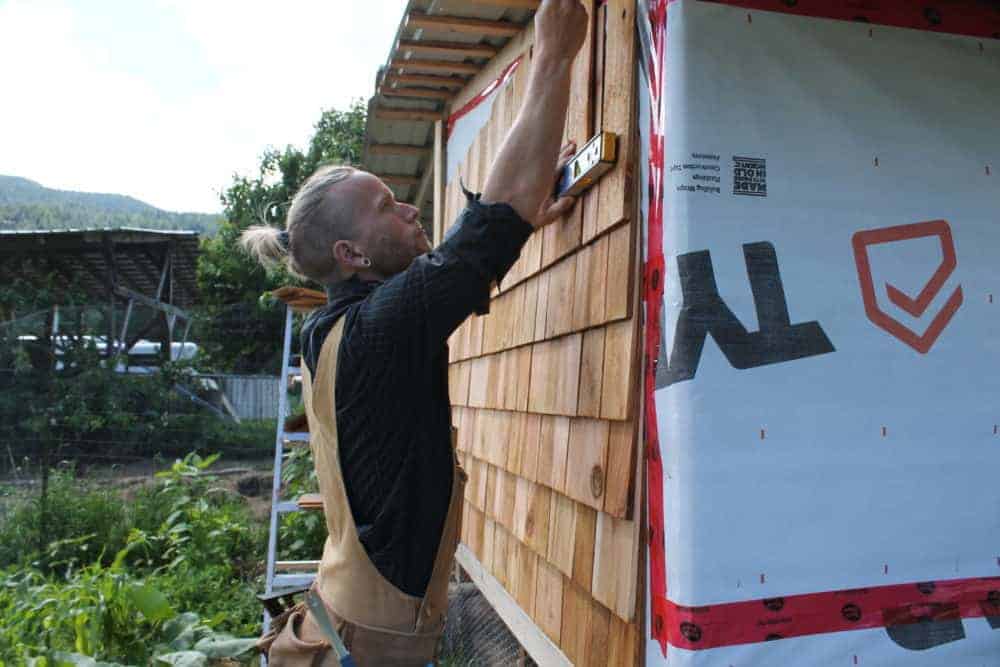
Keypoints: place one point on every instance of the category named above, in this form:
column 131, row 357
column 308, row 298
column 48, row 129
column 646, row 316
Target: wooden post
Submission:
column 110, row 281
column 43, row 504
column 167, row 283
column 439, row 180
column 125, row 321
column 48, row 431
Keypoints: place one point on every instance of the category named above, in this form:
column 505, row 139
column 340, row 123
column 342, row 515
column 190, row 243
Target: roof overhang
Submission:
column 439, row 47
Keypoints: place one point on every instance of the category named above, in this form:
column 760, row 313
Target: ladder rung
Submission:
column 309, row 566
column 292, row 581
column 295, row 370
column 307, row 502
column 311, row 501
column 295, row 437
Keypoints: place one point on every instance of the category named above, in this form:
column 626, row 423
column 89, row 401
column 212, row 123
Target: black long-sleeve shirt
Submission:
column 393, row 411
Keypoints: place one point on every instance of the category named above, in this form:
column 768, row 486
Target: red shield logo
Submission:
column 915, row 306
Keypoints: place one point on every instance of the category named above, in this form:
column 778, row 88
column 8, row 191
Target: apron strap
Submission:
column 322, row 619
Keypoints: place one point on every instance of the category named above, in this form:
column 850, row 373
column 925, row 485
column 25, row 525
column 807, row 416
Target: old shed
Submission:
column 146, row 269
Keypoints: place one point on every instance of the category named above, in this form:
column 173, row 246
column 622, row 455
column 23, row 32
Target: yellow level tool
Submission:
column 591, row 162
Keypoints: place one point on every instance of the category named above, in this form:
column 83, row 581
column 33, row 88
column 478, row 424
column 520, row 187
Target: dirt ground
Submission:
column 250, row 478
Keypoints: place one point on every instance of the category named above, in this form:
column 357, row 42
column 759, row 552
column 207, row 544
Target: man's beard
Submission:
column 392, row 258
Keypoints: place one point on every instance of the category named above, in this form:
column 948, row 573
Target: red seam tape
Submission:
column 956, row 17
column 752, row 621
column 653, row 278
column 483, row 94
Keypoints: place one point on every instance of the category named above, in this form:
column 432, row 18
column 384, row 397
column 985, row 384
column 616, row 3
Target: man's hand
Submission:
column 552, row 209
column 521, row 174
column 560, row 30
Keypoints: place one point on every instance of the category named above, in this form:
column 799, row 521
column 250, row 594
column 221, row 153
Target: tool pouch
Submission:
column 370, row 646
column 286, row 646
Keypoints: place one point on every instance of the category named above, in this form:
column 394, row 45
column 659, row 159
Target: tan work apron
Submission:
column 380, row 624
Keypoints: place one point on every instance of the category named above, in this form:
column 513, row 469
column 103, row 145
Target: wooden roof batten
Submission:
column 429, row 80
column 456, row 49
column 399, row 149
column 441, row 66
column 418, row 93
column 512, row 4
column 479, row 27
column 388, row 113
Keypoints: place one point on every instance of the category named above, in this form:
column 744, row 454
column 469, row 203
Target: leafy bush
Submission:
column 110, row 575
column 183, row 517
column 207, row 434
column 301, row 534
column 70, row 524
column 95, row 612
column 101, row 612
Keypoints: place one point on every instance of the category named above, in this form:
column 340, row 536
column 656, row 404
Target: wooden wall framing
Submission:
column 545, row 389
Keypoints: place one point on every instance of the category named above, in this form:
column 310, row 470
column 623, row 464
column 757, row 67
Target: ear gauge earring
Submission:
column 366, row 262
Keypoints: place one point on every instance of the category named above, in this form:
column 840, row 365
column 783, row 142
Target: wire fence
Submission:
column 62, row 395
column 114, row 419
column 474, row 635
column 243, row 337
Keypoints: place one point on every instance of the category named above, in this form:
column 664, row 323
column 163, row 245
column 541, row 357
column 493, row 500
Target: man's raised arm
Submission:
column 522, row 173
column 420, row 307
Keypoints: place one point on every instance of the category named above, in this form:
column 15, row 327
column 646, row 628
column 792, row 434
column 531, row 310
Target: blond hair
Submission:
column 314, row 223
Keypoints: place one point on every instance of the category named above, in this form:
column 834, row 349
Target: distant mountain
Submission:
column 25, row 204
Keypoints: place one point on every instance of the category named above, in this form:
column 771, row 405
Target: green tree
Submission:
column 241, row 332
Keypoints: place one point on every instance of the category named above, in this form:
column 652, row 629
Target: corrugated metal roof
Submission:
column 149, row 233
column 440, row 45
column 80, row 258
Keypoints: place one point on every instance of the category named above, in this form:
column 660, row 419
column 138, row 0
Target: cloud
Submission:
column 166, row 102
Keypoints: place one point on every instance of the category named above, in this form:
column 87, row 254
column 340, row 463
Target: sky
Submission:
column 165, row 100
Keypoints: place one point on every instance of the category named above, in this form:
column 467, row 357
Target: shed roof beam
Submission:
column 165, row 308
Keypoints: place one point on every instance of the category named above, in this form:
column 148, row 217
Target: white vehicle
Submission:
column 143, row 357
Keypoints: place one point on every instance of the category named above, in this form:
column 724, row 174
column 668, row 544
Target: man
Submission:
column 375, row 382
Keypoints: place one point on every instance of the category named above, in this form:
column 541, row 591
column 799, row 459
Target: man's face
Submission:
column 389, row 232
